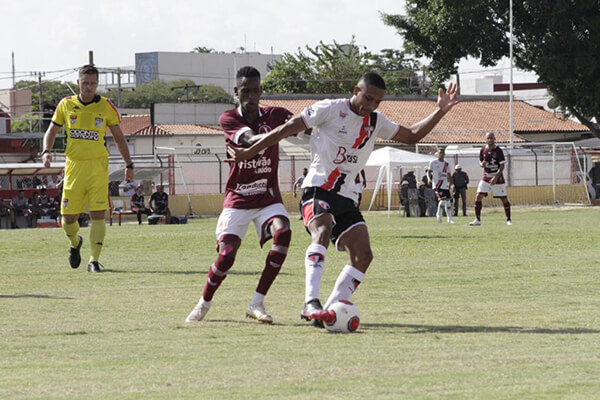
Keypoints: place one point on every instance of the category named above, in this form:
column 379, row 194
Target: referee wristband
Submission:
column 129, row 166
column 45, row 151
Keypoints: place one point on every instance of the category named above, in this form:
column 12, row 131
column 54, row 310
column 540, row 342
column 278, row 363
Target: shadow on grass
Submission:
column 481, row 329
column 231, row 272
column 33, row 296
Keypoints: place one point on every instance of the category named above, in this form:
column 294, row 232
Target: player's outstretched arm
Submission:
column 446, row 100
column 291, row 127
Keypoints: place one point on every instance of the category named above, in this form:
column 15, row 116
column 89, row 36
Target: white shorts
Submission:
column 235, row 221
column 498, row 190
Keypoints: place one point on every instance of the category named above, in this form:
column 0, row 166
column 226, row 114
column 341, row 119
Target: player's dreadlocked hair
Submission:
column 373, row 79
column 247, row 72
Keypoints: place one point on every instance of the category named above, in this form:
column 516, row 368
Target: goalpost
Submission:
column 546, row 173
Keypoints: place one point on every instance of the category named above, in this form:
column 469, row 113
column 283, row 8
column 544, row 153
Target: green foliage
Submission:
column 170, row 92
column 558, row 39
column 50, row 90
column 335, row 69
column 448, row 312
column 202, row 50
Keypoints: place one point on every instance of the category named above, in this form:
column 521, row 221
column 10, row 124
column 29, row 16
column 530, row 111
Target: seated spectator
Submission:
column 6, row 210
column 138, row 205
column 422, row 199
column 48, row 205
column 20, row 205
column 159, row 202
column 35, row 211
column 403, row 194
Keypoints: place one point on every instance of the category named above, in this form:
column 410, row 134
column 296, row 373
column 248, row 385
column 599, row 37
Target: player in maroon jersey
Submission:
column 491, row 159
column 251, row 195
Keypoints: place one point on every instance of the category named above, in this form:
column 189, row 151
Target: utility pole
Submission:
column 13, row 70
column 91, row 57
column 119, row 87
column 41, row 96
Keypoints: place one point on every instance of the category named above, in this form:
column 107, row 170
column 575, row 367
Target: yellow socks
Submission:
column 97, row 233
column 72, row 231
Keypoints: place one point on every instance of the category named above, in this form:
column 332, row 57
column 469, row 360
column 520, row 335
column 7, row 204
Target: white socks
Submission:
column 314, row 263
column 345, row 285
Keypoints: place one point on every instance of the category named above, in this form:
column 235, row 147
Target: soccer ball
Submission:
column 347, row 317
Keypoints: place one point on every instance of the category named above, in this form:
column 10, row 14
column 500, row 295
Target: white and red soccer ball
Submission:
column 345, row 315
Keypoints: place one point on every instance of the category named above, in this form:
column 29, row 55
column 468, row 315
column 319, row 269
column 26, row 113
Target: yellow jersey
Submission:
column 85, row 126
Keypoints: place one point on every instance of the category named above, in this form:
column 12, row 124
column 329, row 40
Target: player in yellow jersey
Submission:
column 85, row 118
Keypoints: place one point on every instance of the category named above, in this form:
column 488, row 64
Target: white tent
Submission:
column 387, row 158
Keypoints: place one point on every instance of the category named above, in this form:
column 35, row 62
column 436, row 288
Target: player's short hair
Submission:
column 373, row 79
column 247, row 72
column 88, row 70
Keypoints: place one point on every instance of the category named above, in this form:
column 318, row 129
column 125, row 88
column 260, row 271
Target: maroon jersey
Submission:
column 253, row 183
column 494, row 158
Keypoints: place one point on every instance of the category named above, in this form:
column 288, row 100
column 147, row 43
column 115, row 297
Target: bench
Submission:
column 120, row 208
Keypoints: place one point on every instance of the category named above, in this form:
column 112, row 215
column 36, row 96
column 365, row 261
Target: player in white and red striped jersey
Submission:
column 491, row 159
column 441, row 181
column 342, row 138
column 251, row 195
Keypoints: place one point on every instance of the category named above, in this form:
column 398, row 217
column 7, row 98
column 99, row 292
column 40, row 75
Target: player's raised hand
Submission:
column 447, row 100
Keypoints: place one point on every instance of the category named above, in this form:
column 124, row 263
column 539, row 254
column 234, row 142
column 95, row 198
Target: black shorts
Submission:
column 443, row 194
column 316, row 201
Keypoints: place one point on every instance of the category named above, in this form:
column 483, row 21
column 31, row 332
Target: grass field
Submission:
column 490, row 312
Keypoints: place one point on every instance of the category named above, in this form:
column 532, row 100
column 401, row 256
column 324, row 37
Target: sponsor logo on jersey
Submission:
column 252, row 188
column 260, row 166
column 73, row 118
column 99, row 122
column 342, row 114
column 343, row 130
column 84, row 134
column 264, row 128
column 65, row 203
column 309, row 111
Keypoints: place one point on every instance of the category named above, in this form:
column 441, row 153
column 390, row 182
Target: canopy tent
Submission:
column 387, row 158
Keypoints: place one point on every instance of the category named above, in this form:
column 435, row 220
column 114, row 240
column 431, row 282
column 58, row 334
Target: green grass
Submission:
column 459, row 312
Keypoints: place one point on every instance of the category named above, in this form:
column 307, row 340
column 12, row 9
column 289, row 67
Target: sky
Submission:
column 56, row 36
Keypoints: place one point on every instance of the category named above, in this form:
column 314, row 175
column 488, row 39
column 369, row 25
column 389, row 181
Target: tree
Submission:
column 171, row 92
column 335, row 69
column 558, row 39
column 50, row 90
column 202, row 50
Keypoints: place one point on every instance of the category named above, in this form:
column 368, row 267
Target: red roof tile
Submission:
column 466, row 123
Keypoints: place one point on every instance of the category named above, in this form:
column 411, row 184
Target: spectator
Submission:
column 461, row 181
column 425, row 178
column 298, row 183
column 49, row 109
column 34, row 206
column 138, row 205
column 410, row 178
column 20, row 205
column 159, row 202
column 422, row 199
column 403, row 194
column 6, row 210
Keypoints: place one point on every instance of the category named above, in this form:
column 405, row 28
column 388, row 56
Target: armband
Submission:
column 45, row 151
column 129, row 166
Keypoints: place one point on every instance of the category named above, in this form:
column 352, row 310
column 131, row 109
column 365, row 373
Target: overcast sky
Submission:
column 55, row 36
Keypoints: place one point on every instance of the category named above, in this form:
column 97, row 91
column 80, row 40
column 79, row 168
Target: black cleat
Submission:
column 310, row 308
column 75, row 254
column 94, row 266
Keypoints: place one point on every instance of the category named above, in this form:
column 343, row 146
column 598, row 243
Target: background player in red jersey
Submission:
column 343, row 137
column 491, row 159
column 251, row 195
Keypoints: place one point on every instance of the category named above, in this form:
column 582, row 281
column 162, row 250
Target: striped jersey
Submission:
column 439, row 174
column 341, row 143
column 85, row 126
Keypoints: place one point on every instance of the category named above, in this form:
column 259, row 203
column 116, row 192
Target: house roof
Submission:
column 139, row 125
column 466, row 123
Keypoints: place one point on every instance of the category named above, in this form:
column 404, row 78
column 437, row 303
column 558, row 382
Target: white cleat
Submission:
column 451, row 221
column 199, row 312
column 257, row 312
column 475, row 222
column 439, row 219
column 508, row 222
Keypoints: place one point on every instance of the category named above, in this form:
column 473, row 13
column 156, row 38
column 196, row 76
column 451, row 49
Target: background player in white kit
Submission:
column 343, row 136
column 441, row 182
column 251, row 195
